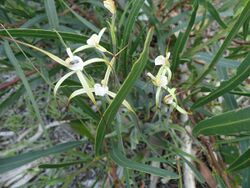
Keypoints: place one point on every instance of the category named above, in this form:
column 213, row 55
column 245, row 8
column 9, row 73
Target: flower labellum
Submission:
column 93, row 40
column 110, row 5
column 75, row 63
column 168, row 99
column 100, row 90
column 162, row 81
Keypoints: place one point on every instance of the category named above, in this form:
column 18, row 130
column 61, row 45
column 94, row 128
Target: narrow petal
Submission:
column 94, row 60
column 69, row 52
column 157, row 96
column 76, row 93
column 81, row 48
column 59, row 83
column 85, row 86
column 101, row 33
column 124, row 103
column 108, row 71
column 52, row 56
column 151, row 76
column 179, row 109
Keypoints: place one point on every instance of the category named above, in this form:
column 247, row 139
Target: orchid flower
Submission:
column 110, row 5
column 161, row 81
column 163, row 76
column 100, row 90
column 76, row 64
column 171, row 99
column 93, row 42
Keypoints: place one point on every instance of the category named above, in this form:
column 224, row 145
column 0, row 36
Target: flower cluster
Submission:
column 77, row 65
column 162, row 80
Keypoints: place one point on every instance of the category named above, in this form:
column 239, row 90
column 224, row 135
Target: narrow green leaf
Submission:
column 182, row 39
column 240, row 163
column 117, row 156
column 243, row 72
column 81, row 19
column 232, row 122
column 110, row 113
column 61, row 165
column 11, row 163
column 50, row 9
column 214, row 13
column 245, row 14
column 81, row 129
column 128, row 29
column 45, row 34
column 22, row 76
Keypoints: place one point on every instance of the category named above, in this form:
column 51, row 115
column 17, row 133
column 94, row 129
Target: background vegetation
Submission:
column 46, row 141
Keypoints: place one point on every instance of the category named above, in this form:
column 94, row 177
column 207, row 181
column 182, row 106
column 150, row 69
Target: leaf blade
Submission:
column 236, row 121
column 123, row 91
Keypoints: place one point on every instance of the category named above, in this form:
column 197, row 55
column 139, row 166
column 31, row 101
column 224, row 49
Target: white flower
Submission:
column 94, row 40
column 161, row 60
column 74, row 62
column 100, row 90
column 168, row 99
column 162, row 81
column 110, row 5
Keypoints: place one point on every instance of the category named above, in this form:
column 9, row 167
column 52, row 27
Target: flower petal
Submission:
column 81, row 48
column 94, row 60
column 93, row 40
column 85, row 86
column 75, row 63
column 101, row 33
column 110, row 5
column 160, row 60
column 69, row 52
column 52, row 56
column 100, row 90
column 59, row 83
column 157, row 96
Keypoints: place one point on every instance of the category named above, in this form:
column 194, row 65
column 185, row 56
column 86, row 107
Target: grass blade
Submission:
column 22, row 76
column 11, row 163
column 50, row 9
column 45, row 34
column 243, row 72
column 82, row 20
column 110, row 113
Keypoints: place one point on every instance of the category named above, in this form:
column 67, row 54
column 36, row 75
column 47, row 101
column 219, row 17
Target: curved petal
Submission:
column 124, row 103
column 157, row 96
column 94, row 60
column 85, row 86
column 76, row 93
column 179, row 109
column 101, row 33
column 59, row 83
column 52, row 56
column 108, row 71
column 81, row 48
column 69, row 52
